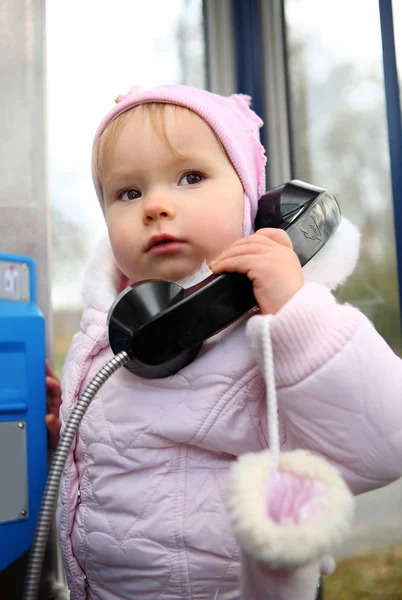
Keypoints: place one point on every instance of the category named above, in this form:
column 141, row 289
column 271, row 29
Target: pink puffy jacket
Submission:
column 141, row 511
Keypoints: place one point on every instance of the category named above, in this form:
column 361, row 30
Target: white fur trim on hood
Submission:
column 336, row 261
column 330, row 267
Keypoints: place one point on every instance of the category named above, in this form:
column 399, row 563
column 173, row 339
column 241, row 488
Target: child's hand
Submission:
column 53, row 405
column 268, row 260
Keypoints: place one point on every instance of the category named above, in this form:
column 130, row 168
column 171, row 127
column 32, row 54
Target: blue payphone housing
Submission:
column 23, row 437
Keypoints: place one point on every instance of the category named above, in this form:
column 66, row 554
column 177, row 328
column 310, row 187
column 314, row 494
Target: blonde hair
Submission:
column 156, row 111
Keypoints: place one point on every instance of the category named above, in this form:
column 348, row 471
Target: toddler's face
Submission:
column 169, row 204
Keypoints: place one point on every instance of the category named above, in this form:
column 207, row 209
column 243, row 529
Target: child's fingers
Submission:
column 53, row 407
column 53, row 401
column 51, row 422
column 238, row 264
column 53, row 386
column 269, row 235
column 246, row 249
column 248, row 264
column 53, row 389
column 53, row 398
column 53, row 426
column 257, row 243
column 279, row 236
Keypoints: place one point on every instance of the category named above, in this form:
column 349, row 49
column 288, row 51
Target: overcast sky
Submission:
column 97, row 49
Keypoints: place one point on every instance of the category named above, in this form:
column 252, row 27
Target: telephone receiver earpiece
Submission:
column 162, row 326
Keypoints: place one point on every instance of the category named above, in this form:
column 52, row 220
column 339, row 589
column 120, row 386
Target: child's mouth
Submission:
column 164, row 244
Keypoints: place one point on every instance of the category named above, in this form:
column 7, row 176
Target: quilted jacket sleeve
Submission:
column 339, row 386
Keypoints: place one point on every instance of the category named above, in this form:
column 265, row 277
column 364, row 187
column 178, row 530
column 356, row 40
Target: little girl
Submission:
column 178, row 173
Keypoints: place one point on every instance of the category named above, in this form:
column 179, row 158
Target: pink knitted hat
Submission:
column 232, row 120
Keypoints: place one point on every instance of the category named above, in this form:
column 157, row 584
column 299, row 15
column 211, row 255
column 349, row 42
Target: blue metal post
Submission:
column 249, row 54
column 393, row 106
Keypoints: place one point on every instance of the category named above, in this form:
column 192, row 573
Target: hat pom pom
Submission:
column 243, row 104
column 133, row 90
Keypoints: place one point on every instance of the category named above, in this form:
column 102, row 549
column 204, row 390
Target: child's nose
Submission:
column 157, row 208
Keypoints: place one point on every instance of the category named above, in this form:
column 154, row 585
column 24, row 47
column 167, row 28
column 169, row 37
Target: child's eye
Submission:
column 191, row 178
column 129, row 195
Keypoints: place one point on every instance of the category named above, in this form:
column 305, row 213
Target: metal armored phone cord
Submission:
column 43, row 525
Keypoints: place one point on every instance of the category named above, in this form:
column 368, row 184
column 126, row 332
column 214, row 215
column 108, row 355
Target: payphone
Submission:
column 23, row 438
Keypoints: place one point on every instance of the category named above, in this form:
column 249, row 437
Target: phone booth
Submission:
column 248, row 46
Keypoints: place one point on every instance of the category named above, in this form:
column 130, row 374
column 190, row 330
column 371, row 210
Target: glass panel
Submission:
column 397, row 24
column 95, row 51
column 340, row 141
column 397, row 16
column 340, row 137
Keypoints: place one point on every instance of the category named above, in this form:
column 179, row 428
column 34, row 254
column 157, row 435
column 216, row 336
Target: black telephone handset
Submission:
column 162, row 326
